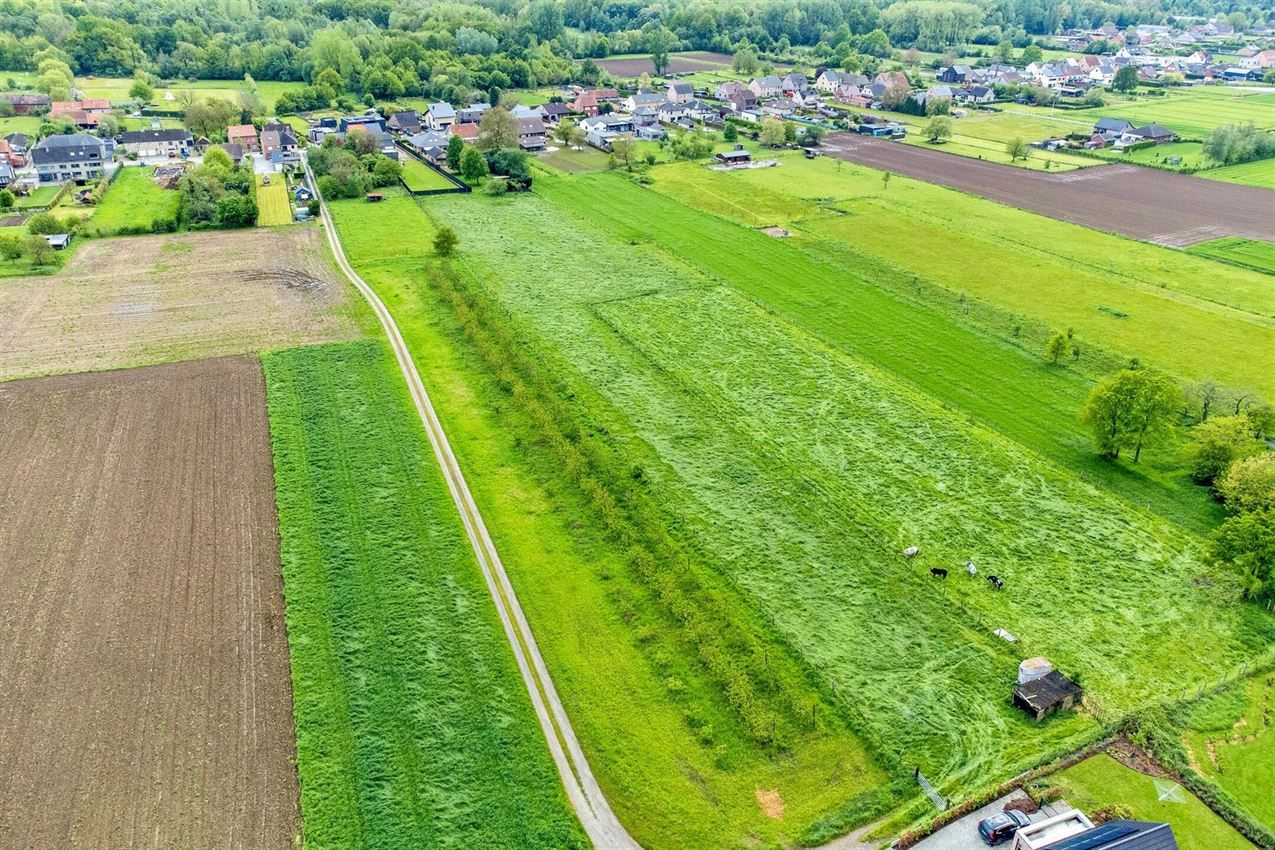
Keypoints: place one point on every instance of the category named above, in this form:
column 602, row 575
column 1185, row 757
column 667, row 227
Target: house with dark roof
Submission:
column 1154, row 133
column 471, row 114
column 531, row 133
column 279, row 145
column 679, row 92
column 1120, row 835
column 1111, row 125
column 234, row 150
column 77, row 157
column 6, row 174
column 408, row 121
column 769, row 86
column 357, row 122
column 743, row 99
column 156, row 142
column 552, row 113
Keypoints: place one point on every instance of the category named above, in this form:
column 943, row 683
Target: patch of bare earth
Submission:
column 155, row 299
column 772, row 805
column 145, row 697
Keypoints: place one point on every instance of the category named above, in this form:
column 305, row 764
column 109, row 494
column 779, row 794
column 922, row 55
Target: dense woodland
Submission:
column 445, row 49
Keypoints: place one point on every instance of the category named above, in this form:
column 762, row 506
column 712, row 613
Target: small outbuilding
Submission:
column 1042, row 690
column 734, row 157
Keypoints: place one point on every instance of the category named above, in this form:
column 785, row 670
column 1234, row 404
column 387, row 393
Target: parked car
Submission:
column 1001, row 828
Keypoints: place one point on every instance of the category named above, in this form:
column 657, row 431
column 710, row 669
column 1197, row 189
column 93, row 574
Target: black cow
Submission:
column 996, row 582
column 938, row 572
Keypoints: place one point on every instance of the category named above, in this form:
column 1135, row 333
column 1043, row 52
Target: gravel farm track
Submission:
column 1177, row 210
column 144, row 673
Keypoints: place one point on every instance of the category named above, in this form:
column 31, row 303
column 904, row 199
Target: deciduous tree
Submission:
column 1130, row 409
column 939, row 127
column 445, row 241
column 1217, row 443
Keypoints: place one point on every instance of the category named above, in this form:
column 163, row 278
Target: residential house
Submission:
column 763, row 87
column 829, row 80
column 348, row 123
column 244, row 135
column 278, row 144
column 1111, row 125
column 589, row 102
column 671, row 112
column 1046, row 832
column 77, row 157
column 650, row 133
column 979, row 94
column 7, row 175
column 408, row 121
column 893, row 80
column 157, row 142
column 531, row 133
column 1154, row 133
column 956, row 74
column 440, row 116
column 641, row 98
column 1116, row 835
column 794, row 84
column 727, row 90
column 601, row 130
column 646, row 117
column 26, row 103
column 14, row 152
column 430, row 144
column 743, row 100
column 680, row 92
column 235, row 150
column 471, row 114
column 552, row 113
column 468, row 132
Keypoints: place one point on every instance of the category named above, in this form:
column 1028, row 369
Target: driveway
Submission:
column 963, row 834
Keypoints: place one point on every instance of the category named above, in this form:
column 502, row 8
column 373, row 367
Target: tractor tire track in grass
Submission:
column 586, row 797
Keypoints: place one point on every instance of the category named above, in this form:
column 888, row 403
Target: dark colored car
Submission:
column 1001, row 828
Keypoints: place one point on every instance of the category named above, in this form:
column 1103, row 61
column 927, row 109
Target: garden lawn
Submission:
column 419, row 177
column 1101, row 781
column 573, row 161
column 132, row 204
column 41, row 197
column 1249, row 253
column 664, row 745
column 274, row 204
column 413, row 726
column 802, row 473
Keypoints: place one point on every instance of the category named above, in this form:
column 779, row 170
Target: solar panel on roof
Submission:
column 1104, row 834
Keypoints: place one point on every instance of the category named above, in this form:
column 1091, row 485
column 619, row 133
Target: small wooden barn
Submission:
column 1046, row 694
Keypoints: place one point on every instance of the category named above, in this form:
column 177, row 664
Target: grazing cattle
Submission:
column 996, row 582
column 911, row 552
column 938, row 572
column 971, row 568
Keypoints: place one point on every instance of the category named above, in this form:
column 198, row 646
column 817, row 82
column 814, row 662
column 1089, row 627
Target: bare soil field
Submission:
column 1170, row 209
column 144, row 668
column 154, row 299
column 678, row 63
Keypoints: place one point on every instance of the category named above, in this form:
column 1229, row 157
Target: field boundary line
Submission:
column 591, row 806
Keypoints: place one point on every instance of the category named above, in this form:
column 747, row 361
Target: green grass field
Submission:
column 274, row 204
column 132, row 203
column 1257, row 173
column 1249, row 253
column 41, row 197
column 666, row 747
column 413, row 727
column 1232, row 741
column 1101, row 780
column 115, row 89
column 570, row 161
column 1192, row 112
column 803, row 473
column 418, row 177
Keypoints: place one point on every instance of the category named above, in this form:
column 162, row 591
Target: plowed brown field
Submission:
column 145, row 698
column 153, row 299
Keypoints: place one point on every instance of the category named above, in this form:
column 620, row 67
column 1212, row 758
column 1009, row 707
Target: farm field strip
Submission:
column 658, row 353
column 1157, row 206
column 143, row 656
column 1257, row 173
column 668, row 751
column 412, row 727
column 1248, row 253
column 274, row 204
column 586, row 796
column 142, row 300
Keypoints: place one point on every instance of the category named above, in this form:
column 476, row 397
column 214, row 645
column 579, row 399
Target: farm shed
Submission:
column 734, row 157
column 1043, row 695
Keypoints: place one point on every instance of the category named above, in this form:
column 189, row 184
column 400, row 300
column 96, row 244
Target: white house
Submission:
column 440, row 116
column 680, row 92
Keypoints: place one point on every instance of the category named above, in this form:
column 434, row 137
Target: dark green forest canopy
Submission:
column 439, row 49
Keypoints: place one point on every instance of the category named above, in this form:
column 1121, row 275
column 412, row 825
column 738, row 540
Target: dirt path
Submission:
column 1158, row 206
column 600, row 823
